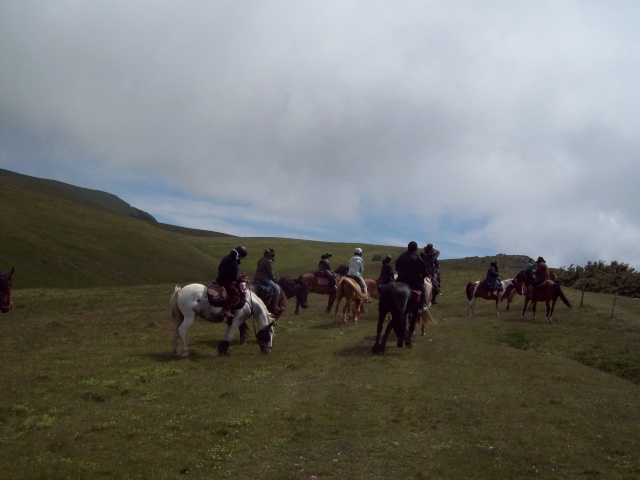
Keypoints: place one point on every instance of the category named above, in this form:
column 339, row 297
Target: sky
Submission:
column 481, row 127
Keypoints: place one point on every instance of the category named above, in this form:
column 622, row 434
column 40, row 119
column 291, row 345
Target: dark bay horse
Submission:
column 290, row 288
column 425, row 317
column 548, row 292
column 397, row 299
column 5, row 291
column 479, row 290
column 319, row 284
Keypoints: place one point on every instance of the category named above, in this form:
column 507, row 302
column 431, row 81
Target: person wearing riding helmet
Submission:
column 356, row 270
column 324, row 266
column 412, row 270
column 264, row 275
column 228, row 273
column 386, row 272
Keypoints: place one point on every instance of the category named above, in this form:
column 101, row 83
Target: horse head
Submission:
column 5, row 291
column 264, row 336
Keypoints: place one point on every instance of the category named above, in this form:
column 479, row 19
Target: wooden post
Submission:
column 582, row 297
column 613, row 305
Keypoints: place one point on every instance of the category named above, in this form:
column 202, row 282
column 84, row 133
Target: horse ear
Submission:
column 11, row 272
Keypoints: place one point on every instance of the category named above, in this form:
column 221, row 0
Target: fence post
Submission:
column 613, row 305
column 582, row 297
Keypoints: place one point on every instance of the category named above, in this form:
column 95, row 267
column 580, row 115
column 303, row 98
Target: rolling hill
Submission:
column 62, row 236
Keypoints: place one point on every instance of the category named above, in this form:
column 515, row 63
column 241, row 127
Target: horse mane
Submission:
column 342, row 269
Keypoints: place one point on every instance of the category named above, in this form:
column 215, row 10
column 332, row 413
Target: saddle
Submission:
column 321, row 277
column 415, row 296
column 218, row 295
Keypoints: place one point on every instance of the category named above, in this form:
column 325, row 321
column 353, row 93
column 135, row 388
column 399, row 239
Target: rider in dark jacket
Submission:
column 324, row 266
column 386, row 272
column 430, row 258
column 228, row 272
column 412, row 270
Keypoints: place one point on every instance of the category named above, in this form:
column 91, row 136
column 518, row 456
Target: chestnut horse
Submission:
column 5, row 291
column 548, row 292
column 319, row 284
column 479, row 290
column 350, row 290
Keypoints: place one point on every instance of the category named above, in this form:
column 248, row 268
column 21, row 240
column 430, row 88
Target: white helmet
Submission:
column 358, row 251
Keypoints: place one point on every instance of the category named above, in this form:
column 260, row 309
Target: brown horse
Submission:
column 290, row 288
column 548, row 292
column 350, row 290
column 316, row 283
column 479, row 290
column 5, row 291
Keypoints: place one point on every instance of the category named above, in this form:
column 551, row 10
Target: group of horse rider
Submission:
column 412, row 269
column 537, row 272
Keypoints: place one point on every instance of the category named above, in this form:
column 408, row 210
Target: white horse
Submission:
column 191, row 301
column 477, row 290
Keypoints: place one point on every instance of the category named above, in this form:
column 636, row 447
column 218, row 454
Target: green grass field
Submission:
column 90, row 390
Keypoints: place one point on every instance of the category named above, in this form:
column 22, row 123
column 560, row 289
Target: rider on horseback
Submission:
column 430, row 258
column 412, row 270
column 541, row 275
column 386, row 272
column 325, row 267
column 356, row 270
column 492, row 281
column 264, row 275
column 228, row 273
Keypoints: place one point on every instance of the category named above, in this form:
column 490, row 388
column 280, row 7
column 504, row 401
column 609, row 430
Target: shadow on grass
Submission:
column 356, row 351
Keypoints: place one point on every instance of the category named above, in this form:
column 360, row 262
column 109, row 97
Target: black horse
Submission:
column 399, row 300
column 5, row 291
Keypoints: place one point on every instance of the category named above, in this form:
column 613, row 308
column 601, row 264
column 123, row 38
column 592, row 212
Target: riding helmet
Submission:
column 387, row 259
column 358, row 251
column 242, row 251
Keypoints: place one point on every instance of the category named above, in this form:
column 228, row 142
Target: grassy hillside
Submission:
column 54, row 238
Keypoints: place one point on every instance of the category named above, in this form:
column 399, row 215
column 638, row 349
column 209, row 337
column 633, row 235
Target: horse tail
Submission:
column 469, row 290
column 427, row 318
column 562, row 296
column 177, row 315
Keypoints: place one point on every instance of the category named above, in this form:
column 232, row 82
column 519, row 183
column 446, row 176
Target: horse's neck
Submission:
column 259, row 311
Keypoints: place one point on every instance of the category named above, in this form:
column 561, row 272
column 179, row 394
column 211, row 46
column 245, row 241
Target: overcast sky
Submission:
column 480, row 126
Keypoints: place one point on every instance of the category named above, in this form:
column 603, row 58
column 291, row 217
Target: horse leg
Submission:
column 332, row 298
column 470, row 312
column 524, row 309
column 393, row 325
column 181, row 333
column 549, row 311
column 376, row 346
column 223, row 346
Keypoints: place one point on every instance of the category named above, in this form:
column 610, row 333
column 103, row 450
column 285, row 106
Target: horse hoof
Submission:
column 408, row 345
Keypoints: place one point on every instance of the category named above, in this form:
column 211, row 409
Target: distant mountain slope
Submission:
column 102, row 198
column 56, row 238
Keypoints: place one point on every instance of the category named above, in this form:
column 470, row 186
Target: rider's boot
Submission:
column 273, row 305
column 226, row 310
